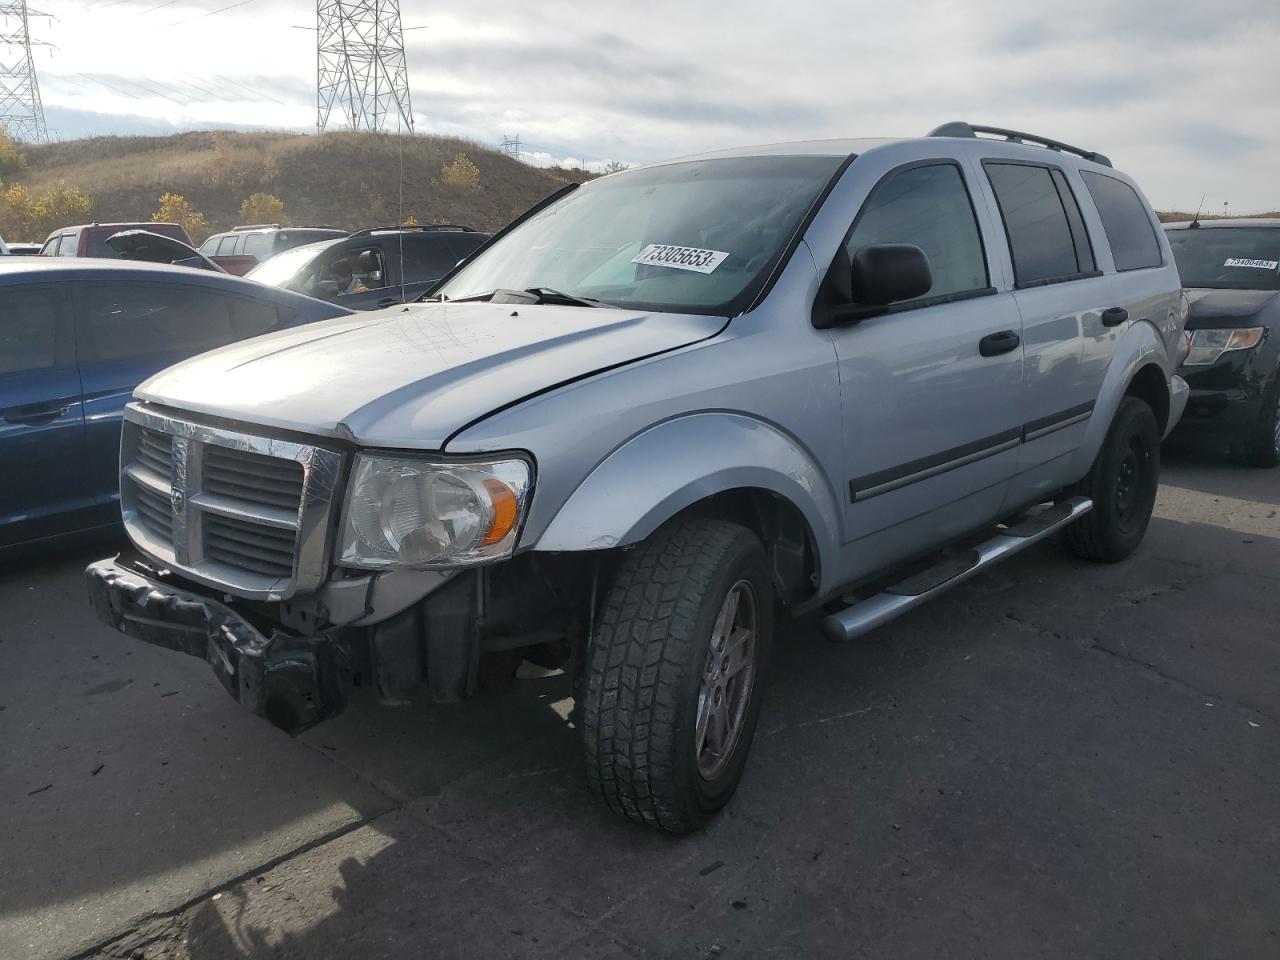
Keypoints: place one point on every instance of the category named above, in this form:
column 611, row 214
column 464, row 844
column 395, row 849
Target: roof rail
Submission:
column 970, row 131
column 420, row 227
column 256, row 226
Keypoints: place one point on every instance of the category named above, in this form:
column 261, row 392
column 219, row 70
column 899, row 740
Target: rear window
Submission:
column 1125, row 219
column 96, row 237
column 33, row 324
column 1228, row 258
column 127, row 320
column 1041, row 240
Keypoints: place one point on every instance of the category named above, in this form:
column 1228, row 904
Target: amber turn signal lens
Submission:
column 505, row 511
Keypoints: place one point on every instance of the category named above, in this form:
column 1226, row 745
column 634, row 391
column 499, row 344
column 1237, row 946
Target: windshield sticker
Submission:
column 680, row 258
column 1256, row 264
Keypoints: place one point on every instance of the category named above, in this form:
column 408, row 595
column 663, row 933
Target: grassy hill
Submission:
column 351, row 180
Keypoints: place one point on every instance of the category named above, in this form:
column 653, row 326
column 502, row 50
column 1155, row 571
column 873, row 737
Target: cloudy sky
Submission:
column 1180, row 93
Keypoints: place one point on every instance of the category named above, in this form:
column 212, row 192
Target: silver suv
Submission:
column 657, row 408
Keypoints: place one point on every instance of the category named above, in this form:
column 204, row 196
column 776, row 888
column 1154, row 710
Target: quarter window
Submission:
column 1041, row 241
column 928, row 207
column 258, row 245
column 1126, row 221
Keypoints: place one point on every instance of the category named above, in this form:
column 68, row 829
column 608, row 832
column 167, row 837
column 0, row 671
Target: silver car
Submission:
column 652, row 411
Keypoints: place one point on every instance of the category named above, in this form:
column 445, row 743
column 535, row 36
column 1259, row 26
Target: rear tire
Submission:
column 675, row 673
column 1261, row 444
column 1122, row 484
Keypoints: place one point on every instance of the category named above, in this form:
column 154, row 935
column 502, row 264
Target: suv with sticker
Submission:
column 655, row 410
column 1231, row 269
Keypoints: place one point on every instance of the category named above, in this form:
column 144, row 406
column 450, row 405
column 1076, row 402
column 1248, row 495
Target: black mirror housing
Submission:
column 886, row 273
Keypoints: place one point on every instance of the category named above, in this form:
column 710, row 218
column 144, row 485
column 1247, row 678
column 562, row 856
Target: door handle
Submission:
column 33, row 415
column 1114, row 316
column 994, row 344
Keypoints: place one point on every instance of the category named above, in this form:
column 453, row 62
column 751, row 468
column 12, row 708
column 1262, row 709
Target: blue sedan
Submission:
column 76, row 337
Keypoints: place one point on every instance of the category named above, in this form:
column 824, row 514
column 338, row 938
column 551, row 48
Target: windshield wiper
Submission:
column 531, row 295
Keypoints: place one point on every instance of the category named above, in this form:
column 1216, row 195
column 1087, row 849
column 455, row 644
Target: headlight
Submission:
column 403, row 512
column 1208, row 345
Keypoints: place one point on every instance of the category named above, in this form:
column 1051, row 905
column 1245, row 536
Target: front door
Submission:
column 43, row 491
column 931, row 390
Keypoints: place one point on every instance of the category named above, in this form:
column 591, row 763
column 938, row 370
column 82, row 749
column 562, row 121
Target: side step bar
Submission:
column 893, row 601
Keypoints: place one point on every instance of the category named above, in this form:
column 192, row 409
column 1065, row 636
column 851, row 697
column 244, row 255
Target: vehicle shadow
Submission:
column 1013, row 753
column 1205, row 469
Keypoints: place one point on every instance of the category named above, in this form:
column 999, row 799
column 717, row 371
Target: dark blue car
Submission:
column 76, row 336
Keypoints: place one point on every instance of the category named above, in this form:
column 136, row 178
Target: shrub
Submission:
column 175, row 209
column 263, row 208
column 461, row 173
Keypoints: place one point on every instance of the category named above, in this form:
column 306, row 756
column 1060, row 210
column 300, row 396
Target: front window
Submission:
column 1228, row 258
column 283, row 267
column 695, row 237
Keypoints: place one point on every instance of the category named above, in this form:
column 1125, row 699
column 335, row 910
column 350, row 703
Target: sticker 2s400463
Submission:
column 680, row 258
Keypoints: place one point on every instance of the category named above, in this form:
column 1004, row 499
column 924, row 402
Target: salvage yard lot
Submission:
column 1057, row 759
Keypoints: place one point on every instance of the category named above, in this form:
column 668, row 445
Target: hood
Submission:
column 412, row 376
column 156, row 248
column 1224, row 308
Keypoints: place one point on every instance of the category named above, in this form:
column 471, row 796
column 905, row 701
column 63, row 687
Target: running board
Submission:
column 893, row 601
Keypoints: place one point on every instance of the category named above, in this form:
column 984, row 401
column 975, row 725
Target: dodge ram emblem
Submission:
column 177, row 499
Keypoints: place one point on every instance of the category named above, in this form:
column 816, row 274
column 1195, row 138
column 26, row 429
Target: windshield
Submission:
column 1228, row 258
column 694, row 237
column 283, row 267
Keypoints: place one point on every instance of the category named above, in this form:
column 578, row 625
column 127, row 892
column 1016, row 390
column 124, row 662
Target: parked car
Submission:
column 1231, row 269
column 148, row 247
column 24, row 249
column 661, row 404
column 75, row 339
column 374, row 268
column 90, row 239
column 241, row 249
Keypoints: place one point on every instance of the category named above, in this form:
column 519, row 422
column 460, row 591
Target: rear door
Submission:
column 427, row 258
column 42, row 486
column 129, row 330
column 931, row 424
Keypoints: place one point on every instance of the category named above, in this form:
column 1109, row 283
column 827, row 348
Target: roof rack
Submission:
column 420, row 227
column 970, row 131
column 256, row 226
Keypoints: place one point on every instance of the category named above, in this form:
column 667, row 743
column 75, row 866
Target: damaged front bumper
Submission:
column 291, row 680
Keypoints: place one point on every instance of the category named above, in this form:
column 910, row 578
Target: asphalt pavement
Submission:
column 1056, row 760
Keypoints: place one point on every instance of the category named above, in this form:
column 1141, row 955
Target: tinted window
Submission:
column 1079, row 236
column 1035, row 222
column 227, row 246
column 1229, row 258
column 258, row 245
column 1125, row 219
column 31, row 322
column 465, row 244
column 928, row 207
column 120, row 320
column 425, row 258
column 209, row 246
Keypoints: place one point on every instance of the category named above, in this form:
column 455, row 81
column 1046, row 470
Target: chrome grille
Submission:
column 240, row 512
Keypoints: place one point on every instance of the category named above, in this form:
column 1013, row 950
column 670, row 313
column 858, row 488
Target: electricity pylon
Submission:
column 360, row 66
column 21, row 110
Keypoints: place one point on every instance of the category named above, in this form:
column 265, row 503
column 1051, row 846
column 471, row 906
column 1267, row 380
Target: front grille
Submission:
column 266, row 481
column 249, row 546
column 245, row 513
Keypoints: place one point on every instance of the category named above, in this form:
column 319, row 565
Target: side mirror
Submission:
column 879, row 275
column 326, row 288
column 367, row 262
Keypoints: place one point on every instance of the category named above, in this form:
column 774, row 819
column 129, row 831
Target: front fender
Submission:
column 1141, row 345
column 670, row 466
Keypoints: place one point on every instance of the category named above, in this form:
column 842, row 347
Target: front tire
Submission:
column 675, row 672
column 1122, row 484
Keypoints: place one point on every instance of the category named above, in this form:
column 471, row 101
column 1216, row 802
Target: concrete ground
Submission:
column 1056, row 760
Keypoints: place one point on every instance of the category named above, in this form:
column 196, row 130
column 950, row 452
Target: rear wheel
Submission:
column 1122, row 485
column 674, row 673
column 1261, row 447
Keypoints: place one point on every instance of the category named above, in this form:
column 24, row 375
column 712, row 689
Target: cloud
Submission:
column 1179, row 94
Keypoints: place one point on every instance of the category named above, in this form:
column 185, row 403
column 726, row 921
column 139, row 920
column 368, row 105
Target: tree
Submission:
column 616, row 166
column 11, row 158
column 60, row 205
column 461, row 173
column 263, row 208
column 175, row 209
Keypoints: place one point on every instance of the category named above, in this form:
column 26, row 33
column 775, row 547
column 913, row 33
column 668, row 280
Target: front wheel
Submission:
column 1122, row 485
column 675, row 673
